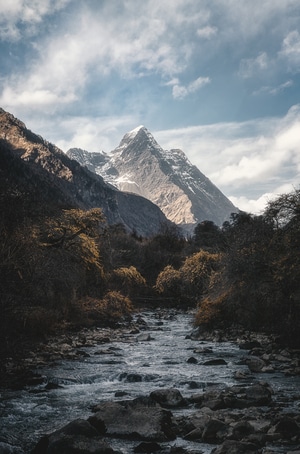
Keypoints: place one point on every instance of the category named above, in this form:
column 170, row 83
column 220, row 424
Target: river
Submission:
column 131, row 366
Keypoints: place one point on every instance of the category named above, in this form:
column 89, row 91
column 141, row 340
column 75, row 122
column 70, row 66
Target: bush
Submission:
column 128, row 280
column 109, row 311
column 169, row 284
column 196, row 274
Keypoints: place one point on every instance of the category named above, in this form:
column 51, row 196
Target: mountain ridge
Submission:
column 73, row 184
column 166, row 177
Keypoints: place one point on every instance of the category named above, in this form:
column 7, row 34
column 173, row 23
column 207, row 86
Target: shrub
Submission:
column 113, row 308
column 196, row 272
column 169, row 283
column 128, row 280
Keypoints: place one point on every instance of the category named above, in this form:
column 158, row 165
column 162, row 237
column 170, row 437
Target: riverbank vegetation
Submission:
column 257, row 285
column 63, row 267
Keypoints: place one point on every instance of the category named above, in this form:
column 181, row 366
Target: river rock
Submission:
column 241, row 430
column 287, row 427
column 79, row 445
column 259, row 394
column 214, row 431
column 237, row 397
column 131, row 377
column 147, row 447
column 255, row 363
column 6, row 448
column 241, row 374
column 249, row 344
column 192, row 360
column 203, row 350
column 168, row 397
column 141, row 322
column 78, row 437
column 215, row 362
column 235, row 447
column 144, row 337
column 143, row 423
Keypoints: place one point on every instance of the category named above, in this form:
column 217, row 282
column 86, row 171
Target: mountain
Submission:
column 167, row 178
column 42, row 172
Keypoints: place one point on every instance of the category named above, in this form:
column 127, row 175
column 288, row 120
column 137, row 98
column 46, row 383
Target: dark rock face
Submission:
column 37, row 164
column 167, row 178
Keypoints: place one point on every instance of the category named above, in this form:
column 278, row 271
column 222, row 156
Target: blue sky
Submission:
column 219, row 79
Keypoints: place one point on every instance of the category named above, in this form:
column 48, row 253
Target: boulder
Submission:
column 144, row 337
column 147, row 447
column 214, row 431
column 79, row 445
column 237, row 397
column 78, row 436
column 259, row 394
column 131, row 377
column 192, row 360
column 141, row 423
column 287, row 427
column 241, row 430
column 213, row 399
column 191, row 427
column 249, row 344
column 215, row 362
column 6, row 448
column 235, row 447
column 168, row 397
column 255, row 363
column 203, row 350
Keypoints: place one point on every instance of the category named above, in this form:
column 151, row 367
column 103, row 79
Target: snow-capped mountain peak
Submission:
column 137, row 139
column 167, row 178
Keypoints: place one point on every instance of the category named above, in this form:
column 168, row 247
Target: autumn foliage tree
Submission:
column 188, row 284
column 49, row 262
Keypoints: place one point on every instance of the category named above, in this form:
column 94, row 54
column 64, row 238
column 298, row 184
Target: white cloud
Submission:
column 181, row 91
column 257, row 206
column 206, row 32
column 99, row 38
column 90, row 133
column 290, row 50
column 93, row 44
column 172, row 82
column 250, row 66
column 38, row 98
column 254, row 206
column 274, row 90
column 244, row 158
column 15, row 14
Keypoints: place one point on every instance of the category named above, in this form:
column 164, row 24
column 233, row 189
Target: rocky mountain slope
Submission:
column 167, row 178
column 31, row 162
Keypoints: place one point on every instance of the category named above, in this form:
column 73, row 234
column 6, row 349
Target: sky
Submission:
column 219, row 79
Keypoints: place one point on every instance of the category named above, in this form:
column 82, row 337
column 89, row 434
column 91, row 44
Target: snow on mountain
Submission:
column 166, row 177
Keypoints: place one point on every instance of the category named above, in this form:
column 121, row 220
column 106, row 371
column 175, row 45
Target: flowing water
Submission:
column 130, row 367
